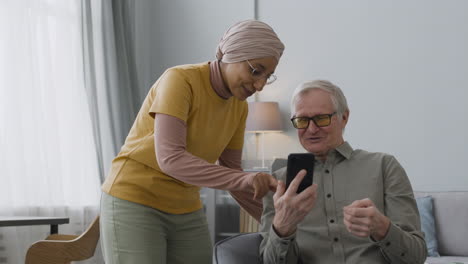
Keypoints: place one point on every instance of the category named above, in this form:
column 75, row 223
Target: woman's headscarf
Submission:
column 249, row 39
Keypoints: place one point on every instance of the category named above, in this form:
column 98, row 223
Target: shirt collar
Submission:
column 345, row 150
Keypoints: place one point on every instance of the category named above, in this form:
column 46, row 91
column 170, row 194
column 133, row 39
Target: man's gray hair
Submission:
column 336, row 95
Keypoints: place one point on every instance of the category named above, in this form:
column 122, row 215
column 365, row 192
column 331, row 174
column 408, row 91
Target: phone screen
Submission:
column 297, row 162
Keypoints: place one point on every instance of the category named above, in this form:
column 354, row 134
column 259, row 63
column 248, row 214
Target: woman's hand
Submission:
column 262, row 183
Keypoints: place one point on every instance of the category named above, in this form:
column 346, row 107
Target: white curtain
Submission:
column 110, row 73
column 48, row 163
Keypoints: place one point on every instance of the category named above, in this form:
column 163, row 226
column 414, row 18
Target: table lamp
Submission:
column 264, row 117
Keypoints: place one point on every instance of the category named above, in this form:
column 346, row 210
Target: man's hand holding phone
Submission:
column 291, row 207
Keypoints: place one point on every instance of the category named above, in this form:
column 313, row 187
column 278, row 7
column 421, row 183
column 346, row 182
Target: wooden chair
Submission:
column 62, row 249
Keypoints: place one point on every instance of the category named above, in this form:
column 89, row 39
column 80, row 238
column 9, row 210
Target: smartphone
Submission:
column 296, row 163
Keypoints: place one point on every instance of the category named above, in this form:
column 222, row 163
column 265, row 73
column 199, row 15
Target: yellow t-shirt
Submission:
column 213, row 124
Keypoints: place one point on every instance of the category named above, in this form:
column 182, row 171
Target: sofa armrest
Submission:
column 243, row 248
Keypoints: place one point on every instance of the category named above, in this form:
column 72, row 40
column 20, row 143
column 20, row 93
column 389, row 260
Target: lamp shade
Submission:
column 264, row 117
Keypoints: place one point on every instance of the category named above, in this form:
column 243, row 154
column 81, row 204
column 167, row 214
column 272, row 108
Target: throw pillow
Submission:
column 426, row 214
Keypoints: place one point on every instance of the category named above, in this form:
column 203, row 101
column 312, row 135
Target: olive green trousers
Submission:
column 134, row 233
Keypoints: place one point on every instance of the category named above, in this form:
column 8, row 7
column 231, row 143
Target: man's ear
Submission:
column 345, row 117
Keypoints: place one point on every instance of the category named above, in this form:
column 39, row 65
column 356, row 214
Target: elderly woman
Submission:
column 193, row 116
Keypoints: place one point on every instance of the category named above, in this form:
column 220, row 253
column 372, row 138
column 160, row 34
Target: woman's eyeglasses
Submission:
column 257, row 75
column 319, row 120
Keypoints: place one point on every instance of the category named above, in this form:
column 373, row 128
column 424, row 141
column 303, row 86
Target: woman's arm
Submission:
column 231, row 158
column 176, row 161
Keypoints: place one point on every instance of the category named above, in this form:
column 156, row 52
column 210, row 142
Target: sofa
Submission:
column 450, row 212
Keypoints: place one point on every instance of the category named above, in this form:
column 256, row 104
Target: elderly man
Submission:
column 361, row 207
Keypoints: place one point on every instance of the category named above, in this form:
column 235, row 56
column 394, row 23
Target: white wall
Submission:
column 403, row 66
column 175, row 32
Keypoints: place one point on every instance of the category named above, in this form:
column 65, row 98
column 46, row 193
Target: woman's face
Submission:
column 242, row 81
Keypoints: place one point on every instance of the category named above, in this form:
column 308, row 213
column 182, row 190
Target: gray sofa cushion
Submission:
column 243, row 248
column 446, row 260
column 451, row 214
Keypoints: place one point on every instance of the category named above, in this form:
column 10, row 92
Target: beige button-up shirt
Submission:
column 348, row 175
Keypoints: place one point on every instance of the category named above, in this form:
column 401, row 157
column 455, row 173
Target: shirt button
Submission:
column 336, row 239
column 284, row 242
column 403, row 254
column 332, row 221
column 387, row 244
column 328, row 195
column 327, row 171
column 281, row 258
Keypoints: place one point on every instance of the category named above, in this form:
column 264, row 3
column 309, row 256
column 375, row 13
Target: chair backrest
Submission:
column 243, row 248
column 87, row 242
column 62, row 249
column 278, row 164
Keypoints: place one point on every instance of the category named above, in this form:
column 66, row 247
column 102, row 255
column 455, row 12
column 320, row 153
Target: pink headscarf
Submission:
column 249, row 39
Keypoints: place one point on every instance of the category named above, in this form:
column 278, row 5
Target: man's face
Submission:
column 320, row 140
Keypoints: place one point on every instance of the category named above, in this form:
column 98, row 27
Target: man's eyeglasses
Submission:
column 257, row 75
column 319, row 120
